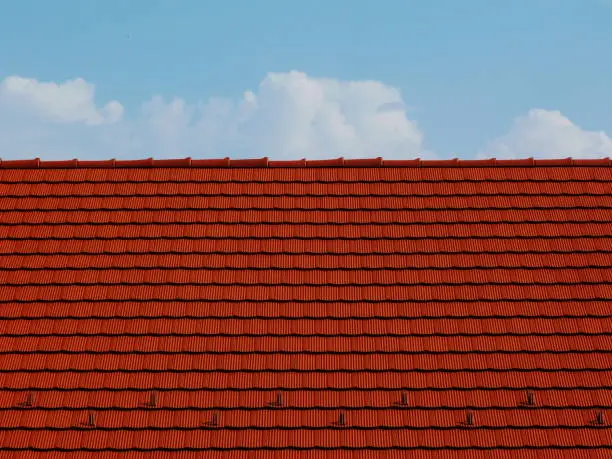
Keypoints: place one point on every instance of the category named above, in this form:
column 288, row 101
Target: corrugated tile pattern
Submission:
column 312, row 312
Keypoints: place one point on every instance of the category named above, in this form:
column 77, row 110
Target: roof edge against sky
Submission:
column 37, row 163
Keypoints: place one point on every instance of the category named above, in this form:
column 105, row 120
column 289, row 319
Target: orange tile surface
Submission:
column 337, row 308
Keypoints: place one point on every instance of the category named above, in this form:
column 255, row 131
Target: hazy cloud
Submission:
column 290, row 115
column 546, row 134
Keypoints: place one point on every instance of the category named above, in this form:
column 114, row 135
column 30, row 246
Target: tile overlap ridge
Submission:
column 264, row 162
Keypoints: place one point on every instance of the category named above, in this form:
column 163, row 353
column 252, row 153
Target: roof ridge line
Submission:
column 264, row 162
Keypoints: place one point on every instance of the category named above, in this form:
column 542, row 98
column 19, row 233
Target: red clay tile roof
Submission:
column 178, row 305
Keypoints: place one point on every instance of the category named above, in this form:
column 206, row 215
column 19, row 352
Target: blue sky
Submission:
column 469, row 73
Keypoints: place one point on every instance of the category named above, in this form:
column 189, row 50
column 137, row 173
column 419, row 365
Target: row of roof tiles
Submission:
column 300, row 453
column 324, row 218
column 107, row 363
column 598, row 275
column 84, row 436
column 353, row 382
column 323, row 326
column 417, row 403
column 80, row 343
column 393, row 310
column 29, row 418
column 352, row 178
column 263, row 203
column 508, row 233
column 293, row 191
column 84, row 260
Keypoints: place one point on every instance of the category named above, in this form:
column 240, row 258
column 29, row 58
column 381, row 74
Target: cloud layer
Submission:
column 289, row 116
column 548, row 134
column 69, row 102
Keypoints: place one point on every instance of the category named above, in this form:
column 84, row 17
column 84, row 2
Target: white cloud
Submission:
column 69, row 102
column 548, row 134
column 290, row 115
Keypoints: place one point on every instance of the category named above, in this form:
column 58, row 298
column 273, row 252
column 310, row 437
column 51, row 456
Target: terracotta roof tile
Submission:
column 329, row 308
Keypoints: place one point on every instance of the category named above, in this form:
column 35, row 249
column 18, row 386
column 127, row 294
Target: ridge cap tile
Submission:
column 264, row 162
